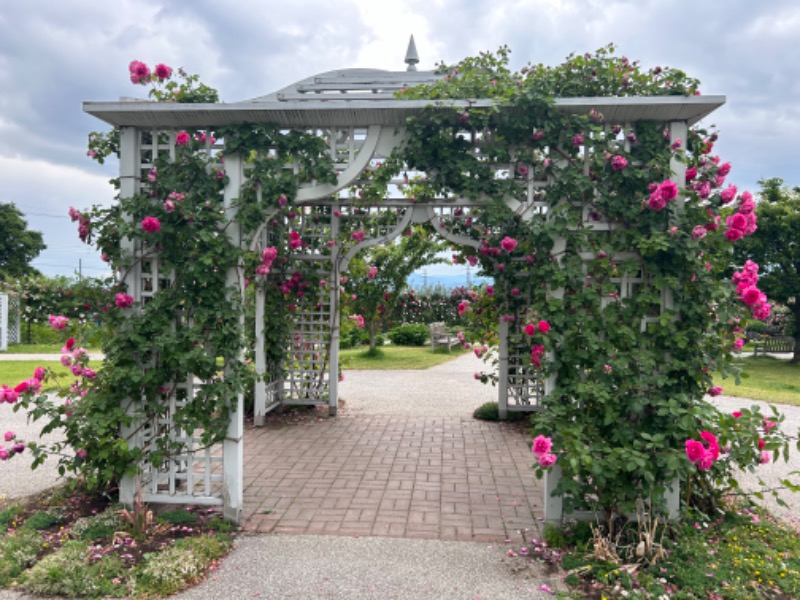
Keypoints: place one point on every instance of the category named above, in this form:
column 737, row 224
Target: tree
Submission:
column 775, row 246
column 377, row 280
column 18, row 245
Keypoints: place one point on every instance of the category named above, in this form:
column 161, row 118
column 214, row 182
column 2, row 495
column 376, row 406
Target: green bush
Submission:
column 17, row 553
column 168, row 571
column 487, row 412
column 43, row 520
column 96, row 527
column 409, row 335
column 178, row 516
column 74, row 572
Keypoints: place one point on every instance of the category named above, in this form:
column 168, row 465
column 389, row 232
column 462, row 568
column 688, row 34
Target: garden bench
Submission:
column 773, row 344
column 441, row 337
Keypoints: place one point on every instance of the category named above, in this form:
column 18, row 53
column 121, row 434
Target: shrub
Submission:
column 169, row 571
column 489, row 411
column 409, row 335
column 96, row 527
column 17, row 553
column 178, row 516
column 43, row 520
column 73, row 571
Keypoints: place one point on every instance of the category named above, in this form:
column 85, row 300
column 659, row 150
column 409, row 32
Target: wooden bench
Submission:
column 773, row 344
column 441, row 337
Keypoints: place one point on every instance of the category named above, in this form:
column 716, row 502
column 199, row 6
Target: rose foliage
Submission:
column 613, row 286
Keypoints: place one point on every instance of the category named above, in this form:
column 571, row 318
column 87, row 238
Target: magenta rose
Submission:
column 151, row 224
column 543, row 326
column 546, row 460
column 541, row 444
column 123, row 300
column 508, row 244
column 694, row 450
column 618, row 163
column 59, row 322
column 163, row 72
column 182, row 138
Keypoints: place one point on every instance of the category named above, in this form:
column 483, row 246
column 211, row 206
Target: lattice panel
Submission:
column 526, row 383
column 306, row 376
column 374, row 221
column 161, row 144
column 194, row 475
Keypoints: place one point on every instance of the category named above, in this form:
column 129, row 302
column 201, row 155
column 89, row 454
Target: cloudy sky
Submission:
column 54, row 55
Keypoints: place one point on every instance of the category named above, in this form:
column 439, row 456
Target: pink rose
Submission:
column 10, row 435
column 139, row 71
column 151, row 224
column 577, row 140
column 182, row 138
column 618, row 163
column 546, row 460
column 765, row 457
column 358, row 236
column 694, row 450
column 714, row 391
column 738, row 344
column 543, row 326
column 706, row 461
column 736, row 414
column 39, row 373
column 728, row 194
column 59, row 323
column 163, row 72
column 508, row 244
column 699, row 232
column 656, row 202
column 691, row 173
column 541, row 445
column 530, row 329
column 669, row 190
column 733, row 234
column 123, row 300
column 169, row 206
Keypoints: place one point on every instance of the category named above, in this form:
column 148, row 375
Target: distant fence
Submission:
column 9, row 320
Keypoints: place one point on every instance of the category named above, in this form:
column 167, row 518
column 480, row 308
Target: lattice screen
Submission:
column 194, row 475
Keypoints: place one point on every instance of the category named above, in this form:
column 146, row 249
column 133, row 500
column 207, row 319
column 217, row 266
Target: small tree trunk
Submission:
column 373, row 333
column 796, row 332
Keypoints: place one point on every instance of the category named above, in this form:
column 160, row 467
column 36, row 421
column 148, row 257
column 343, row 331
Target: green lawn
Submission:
column 767, row 379
column 14, row 371
column 396, row 358
column 37, row 349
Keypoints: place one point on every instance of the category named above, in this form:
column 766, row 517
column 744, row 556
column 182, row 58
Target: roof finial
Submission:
column 411, row 55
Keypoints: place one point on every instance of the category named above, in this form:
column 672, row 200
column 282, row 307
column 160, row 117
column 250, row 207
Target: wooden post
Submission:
column 233, row 445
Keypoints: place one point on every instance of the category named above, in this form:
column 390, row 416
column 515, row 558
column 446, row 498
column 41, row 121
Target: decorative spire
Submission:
column 411, row 55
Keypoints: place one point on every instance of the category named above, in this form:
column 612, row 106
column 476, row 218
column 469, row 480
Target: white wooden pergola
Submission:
column 356, row 111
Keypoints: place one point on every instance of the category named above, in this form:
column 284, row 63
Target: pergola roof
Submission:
column 363, row 97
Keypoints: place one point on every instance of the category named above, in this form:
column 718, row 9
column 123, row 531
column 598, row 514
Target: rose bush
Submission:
column 630, row 318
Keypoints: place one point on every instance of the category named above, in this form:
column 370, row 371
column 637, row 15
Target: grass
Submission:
column 14, row 371
column 33, row 349
column 396, row 357
column 740, row 554
column 766, row 379
column 65, row 542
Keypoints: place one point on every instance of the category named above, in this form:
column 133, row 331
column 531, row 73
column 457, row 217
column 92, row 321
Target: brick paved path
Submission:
column 446, row 477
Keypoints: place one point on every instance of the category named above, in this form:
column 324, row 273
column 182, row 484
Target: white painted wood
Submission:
column 4, row 322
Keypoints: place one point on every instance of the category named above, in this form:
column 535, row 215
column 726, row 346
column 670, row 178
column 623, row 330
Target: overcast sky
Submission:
column 54, row 55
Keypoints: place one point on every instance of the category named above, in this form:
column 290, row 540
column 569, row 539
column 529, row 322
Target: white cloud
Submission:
column 53, row 56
